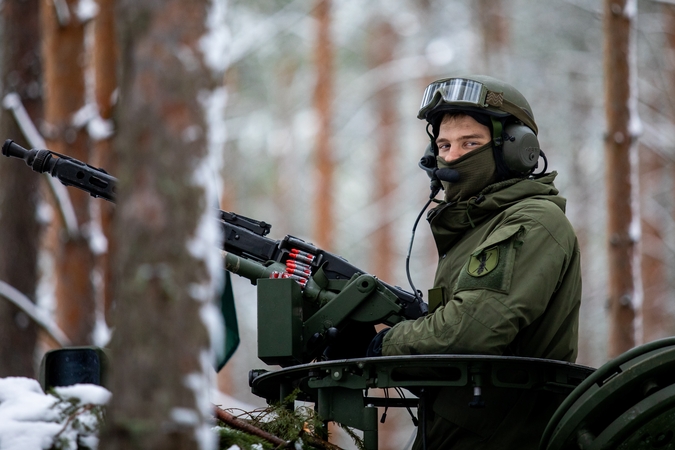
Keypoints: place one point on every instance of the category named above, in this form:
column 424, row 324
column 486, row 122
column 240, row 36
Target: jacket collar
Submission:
column 449, row 221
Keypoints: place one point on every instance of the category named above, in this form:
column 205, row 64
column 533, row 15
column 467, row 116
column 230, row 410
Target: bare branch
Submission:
column 12, row 102
column 28, row 307
column 246, row 427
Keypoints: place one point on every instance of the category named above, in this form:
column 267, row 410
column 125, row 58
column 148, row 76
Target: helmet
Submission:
column 477, row 93
column 514, row 130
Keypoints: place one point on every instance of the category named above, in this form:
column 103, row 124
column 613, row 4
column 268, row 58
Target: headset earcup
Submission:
column 521, row 148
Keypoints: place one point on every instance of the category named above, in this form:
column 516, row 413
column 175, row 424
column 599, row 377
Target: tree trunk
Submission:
column 620, row 178
column 655, row 315
column 323, row 103
column 104, row 63
column 19, row 188
column 494, row 31
column 382, row 47
column 164, row 265
column 64, row 59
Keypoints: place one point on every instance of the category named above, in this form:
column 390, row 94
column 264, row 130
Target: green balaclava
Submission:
column 477, row 170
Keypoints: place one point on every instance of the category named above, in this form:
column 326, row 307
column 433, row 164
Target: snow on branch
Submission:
column 24, row 304
column 12, row 102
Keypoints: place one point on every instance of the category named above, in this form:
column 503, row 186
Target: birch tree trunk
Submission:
column 621, row 176
column 19, row 188
column 164, row 289
column 323, row 103
column 64, row 60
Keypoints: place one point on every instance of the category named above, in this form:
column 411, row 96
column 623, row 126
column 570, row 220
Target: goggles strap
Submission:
column 496, row 131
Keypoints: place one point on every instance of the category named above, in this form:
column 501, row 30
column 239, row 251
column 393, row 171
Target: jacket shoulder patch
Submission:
column 483, row 263
column 491, row 265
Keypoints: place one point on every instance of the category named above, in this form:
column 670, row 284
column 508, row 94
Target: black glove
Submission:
column 375, row 346
column 351, row 342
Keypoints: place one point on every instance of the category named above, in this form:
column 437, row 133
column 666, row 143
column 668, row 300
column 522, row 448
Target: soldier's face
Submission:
column 458, row 135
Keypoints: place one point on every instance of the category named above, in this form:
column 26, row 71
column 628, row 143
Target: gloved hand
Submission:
column 375, row 346
column 351, row 342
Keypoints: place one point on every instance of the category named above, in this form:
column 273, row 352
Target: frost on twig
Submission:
column 43, row 320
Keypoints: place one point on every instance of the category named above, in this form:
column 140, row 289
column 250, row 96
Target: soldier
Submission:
column 508, row 279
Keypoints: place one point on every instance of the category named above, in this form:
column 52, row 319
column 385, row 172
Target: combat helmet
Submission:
column 514, row 129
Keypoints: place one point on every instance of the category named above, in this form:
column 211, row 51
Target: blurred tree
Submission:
column 323, row 102
column 654, row 304
column 494, row 32
column 19, row 188
column 64, row 59
column 657, row 306
column 383, row 41
column 164, row 270
column 620, row 141
column 104, row 62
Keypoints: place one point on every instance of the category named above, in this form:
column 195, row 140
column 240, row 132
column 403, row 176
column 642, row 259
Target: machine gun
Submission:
column 307, row 297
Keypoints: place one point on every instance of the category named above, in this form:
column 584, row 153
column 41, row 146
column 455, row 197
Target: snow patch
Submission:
column 86, row 10
column 89, row 394
column 185, row 416
column 213, row 320
column 216, row 43
column 200, row 383
column 31, row 419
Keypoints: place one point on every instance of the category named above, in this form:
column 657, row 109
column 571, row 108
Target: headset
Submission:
column 519, row 155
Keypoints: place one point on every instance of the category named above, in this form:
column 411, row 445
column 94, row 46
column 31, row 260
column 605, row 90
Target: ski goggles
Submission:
column 457, row 91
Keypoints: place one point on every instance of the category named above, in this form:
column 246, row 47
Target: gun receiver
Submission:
column 326, row 293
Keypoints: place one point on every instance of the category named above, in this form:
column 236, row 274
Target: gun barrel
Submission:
column 254, row 271
column 11, row 148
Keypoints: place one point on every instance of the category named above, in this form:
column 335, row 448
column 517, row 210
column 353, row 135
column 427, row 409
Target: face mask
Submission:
column 477, row 170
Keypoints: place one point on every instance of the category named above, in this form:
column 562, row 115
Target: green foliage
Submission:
column 81, row 423
column 280, row 420
column 229, row 437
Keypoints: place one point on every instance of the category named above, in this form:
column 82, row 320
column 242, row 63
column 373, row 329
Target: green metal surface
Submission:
column 648, row 424
column 295, row 324
column 359, row 301
column 337, row 387
column 279, row 321
column 616, row 401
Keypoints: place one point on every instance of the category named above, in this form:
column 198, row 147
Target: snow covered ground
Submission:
column 32, row 420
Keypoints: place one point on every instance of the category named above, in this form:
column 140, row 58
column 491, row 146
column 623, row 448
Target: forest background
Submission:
column 307, row 120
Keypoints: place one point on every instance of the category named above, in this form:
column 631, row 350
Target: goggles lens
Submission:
column 455, row 90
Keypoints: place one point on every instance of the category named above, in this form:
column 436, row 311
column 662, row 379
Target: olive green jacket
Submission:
column 508, row 283
column 508, row 280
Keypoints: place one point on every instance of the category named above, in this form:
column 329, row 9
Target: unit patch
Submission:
column 491, row 265
column 483, row 263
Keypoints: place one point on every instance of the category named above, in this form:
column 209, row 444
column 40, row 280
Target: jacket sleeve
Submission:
column 491, row 302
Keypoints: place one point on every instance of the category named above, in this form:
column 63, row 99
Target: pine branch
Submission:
column 319, row 443
column 246, row 427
